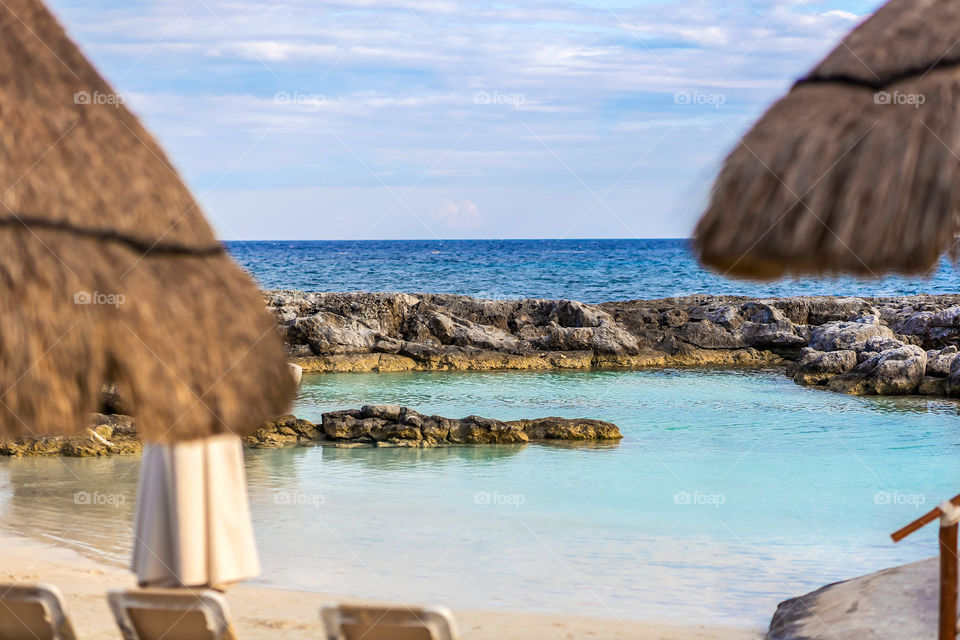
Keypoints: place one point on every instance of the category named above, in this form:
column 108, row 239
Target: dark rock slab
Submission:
column 818, row 367
column 939, row 361
column 393, row 425
column 282, row 432
column 568, row 429
column 895, row 371
column 894, row 604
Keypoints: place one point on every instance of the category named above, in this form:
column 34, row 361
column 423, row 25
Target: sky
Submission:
column 380, row 119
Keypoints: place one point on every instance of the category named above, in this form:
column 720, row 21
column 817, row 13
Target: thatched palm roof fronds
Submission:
column 857, row 169
column 108, row 271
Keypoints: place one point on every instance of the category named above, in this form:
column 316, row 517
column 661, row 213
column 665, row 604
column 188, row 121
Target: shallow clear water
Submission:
column 587, row 270
column 731, row 491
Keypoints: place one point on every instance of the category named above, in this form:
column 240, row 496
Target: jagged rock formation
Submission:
column 899, row 345
column 392, row 332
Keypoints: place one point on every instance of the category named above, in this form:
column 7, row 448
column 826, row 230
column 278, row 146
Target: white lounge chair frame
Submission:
column 210, row 603
column 436, row 620
column 50, row 600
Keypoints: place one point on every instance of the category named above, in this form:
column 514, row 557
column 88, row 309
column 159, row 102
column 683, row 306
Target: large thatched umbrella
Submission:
column 91, row 210
column 856, row 169
column 109, row 273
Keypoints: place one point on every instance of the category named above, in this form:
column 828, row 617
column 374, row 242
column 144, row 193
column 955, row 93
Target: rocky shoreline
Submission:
column 369, row 426
column 864, row 346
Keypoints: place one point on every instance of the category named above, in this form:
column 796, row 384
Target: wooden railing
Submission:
column 949, row 514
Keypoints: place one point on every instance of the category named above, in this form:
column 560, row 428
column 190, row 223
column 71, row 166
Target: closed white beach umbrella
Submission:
column 193, row 520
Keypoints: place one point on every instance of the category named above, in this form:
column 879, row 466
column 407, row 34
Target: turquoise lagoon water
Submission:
column 731, row 491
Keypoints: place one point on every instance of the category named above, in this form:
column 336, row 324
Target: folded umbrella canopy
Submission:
column 193, row 520
column 857, row 169
column 109, row 273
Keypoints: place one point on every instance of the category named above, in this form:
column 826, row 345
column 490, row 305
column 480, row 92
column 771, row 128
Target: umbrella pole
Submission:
column 948, row 580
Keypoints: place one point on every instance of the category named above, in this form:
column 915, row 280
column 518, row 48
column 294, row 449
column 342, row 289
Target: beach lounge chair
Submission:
column 33, row 612
column 399, row 622
column 171, row 614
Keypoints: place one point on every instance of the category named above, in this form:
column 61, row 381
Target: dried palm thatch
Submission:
column 108, row 271
column 855, row 170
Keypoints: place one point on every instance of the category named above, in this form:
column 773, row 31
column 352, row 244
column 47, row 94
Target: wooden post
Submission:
column 948, row 581
column 949, row 514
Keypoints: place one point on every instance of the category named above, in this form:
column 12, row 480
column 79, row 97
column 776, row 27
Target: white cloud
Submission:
column 274, row 51
column 457, row 215
column 843, row 15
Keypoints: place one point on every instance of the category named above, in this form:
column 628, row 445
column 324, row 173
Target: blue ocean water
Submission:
column 586, row 270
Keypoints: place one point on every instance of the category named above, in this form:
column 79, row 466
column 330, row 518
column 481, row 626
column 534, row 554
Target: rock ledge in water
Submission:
column 373, row 425
column 395, row 426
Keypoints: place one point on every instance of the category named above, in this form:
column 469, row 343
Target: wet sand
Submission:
column 261, row 613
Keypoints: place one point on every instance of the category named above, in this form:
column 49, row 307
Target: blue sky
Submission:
column 303, row 119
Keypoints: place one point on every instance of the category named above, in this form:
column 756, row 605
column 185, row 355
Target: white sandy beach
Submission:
column 261, row 613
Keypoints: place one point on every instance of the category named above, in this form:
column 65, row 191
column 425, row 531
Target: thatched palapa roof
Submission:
column 855, row 170
column 108, row 271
